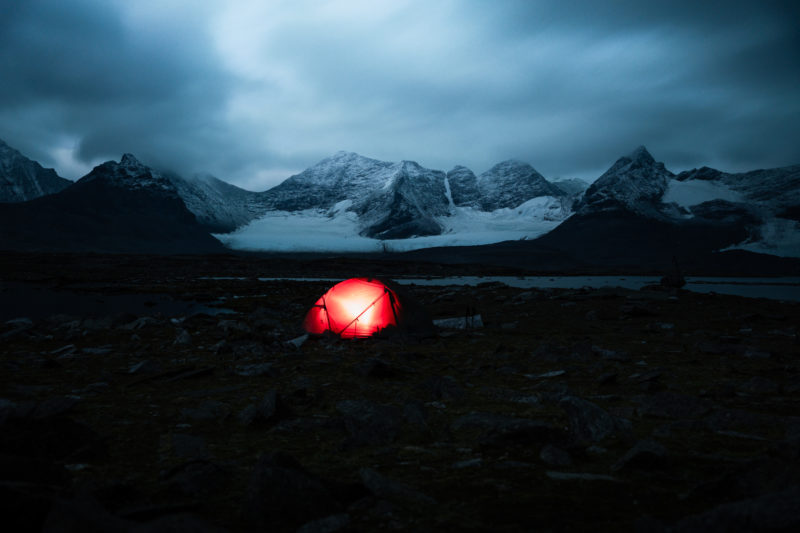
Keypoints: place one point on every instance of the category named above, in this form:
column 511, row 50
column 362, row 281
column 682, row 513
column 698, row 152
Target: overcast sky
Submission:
column 254, row 91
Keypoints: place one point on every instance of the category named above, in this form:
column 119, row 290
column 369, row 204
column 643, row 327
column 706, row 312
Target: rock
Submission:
column 142, row 322
column 444, row 388
column 672, row 405
column 82, row 513
column 22, row 322
column 329, row 524
column 607, row 378
column 268, row 410
column 503, row 430
column 579, row 476
column 48, row 434
column 189, row 446
column 463, row 322
column 391, row 490
column 759, row 386
column 257, row 369
column 297, row 342
column 645, row 455
column 416, row 415
column 177, row 523
column 52, row 407
column 552, row 456
column 68, row 349
column 282, row 495
column 148, row 366
column 376, row 368
column 197, row 478
column 234, row 325
column 468, row 463
column 369, row 423
column 183, row 338
column 611, row 355
column 776, row 511
column 589, row 423
column 552, row 374
column 207, row 410
column 740, row 420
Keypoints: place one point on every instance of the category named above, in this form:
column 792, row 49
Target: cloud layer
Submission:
column 254, row 91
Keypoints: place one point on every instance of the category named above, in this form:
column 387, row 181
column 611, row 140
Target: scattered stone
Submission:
column 611, row 355
column 394, row 491
column 468, row 463
column 183, row 338
column 608, row 378
column 69, row 349
column 416, row 415
column 444, row 388
column 463, row 322
column 579, row 476
column 207, row 410
column 256, row 370
column 283, row 496
column 553, row 374
column 552, row 456
column 270, row 409
column 672, row 405
column 233, row 325
column 645, row 455
column 297, row 342
column 52, row 407
column 98, row 350
column 22, row 322
column 148, row 366
column 775, row 511
column 189, row 446
column 760, row 386
column 376, row 368
column 503, row 430
column 142, row 322
column 589, row 423
column 369, row 423
column 197, row 478
column 329, row 524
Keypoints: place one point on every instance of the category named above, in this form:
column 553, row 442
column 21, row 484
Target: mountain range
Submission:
column 636, row 213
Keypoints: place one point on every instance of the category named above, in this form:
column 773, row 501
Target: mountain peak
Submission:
column 23, row 179
column 640, row 153
column 130, row 161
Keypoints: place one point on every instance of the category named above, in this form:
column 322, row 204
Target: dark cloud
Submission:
column 253, row 91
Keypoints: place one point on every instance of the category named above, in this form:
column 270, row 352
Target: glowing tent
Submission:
column 362, row 307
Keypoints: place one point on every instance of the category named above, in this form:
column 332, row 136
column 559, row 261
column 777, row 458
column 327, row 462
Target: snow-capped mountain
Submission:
column 343, row 176
column 132, row 175
column 768, row 200
column 464, row 187
column 635, row 182
column 218, row 205
column 638, row 209
column 391, row 200
column 117, row 207
column 573, row 187
column 22, row 179
column 511, row 183
column 362, row 200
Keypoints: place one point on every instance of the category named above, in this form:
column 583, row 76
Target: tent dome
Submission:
column 362, row 307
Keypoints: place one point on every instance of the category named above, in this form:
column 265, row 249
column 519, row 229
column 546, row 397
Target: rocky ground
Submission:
column 607, row 410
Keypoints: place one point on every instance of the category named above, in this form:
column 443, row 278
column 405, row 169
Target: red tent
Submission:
column 361, row 307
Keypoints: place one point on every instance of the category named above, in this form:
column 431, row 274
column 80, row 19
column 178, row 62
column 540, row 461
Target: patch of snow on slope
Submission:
column 779, row 236
column 336, row 230
column 692, row 192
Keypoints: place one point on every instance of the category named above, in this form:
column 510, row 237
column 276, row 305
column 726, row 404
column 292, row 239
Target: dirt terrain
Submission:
column 569, row 410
